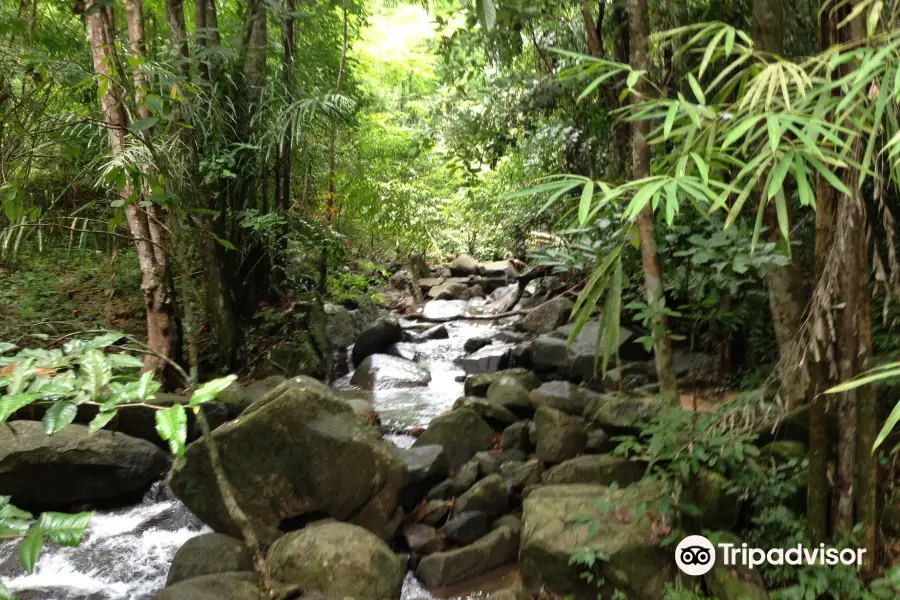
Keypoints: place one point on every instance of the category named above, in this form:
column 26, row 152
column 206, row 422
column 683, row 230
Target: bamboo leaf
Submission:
column 584, row 207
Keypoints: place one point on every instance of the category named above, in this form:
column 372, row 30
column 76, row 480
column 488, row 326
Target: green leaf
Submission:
column 125, row 361
column 698, row 91
column 13, row 402
column 487, row 13
column 6, row 347
column 774, row 130
column 62, row 528
column 142, row 124
column 670, row 119
column 209, row 390
column 146, row 387
column 171, row 425
column 779, row 174
column 632, row 79
column 729, row 41
column 96, row 372
column 889, row 425
column 584, row 207
column 100, row 421
column 58, row 416
column 30, row 550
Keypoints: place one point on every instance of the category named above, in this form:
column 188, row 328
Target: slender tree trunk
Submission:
column 162, row 323
column 639, row 25
column 590, row 28
column 787, row 297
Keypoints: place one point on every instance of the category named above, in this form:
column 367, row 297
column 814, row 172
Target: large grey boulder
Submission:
column 495, row 414
column 297, row 451
column 489, row 552
column 234, row 585
column 510, row 394
column 564, row 396
column 341, row 328
column 207, row 554
column 552, row 353
column 338, row 559
column 559, row 436
column 503, row 269
column 463, row 266
column 618, row 413
column 478, row 384
column 637, row 565
column 449, row 290
column 376, row 338
column 70, row 467
column 489, row 496
column 461, row 432
column 382, row 371
column 426, row 465
column 548, row 316
column 488, row 360
column 604, row 469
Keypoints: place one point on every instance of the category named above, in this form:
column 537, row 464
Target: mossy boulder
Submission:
column 478, row 384
column 637, row 565
column 376, row 338
column 294, row 452
column 602, row 469
column 783, row 451
column 548, row 316
column 559, row 436
column 207, row 554
column 563, row 395
column 511, row 395
column 708, row 491
column 488, row 496
column 621, row 413
column 461, row 432
column 734, row 582
column 495, row 414
column 242, row 585
column 488, row 552
column 71, row 467
column 338, row 559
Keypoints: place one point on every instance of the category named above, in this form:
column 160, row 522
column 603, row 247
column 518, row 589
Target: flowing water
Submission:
column 125, row 554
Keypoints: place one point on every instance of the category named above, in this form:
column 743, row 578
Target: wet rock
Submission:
column 564, row 396
column 463, row 266
column 511, row 522
column 449, row 290
column 621, row 414
column 359, row 400
column 489, row 463
column 376, row 338
column 445, row 309
column 501, row 299
column 434, row 512
column 515, row 437
column 401, row 280
column 423, row 539
column 381, row 371
column 476, row 343
column 489, row 552
column 478, row 384
column 426, row 466
column 404, row 350
column 487, row 360
column 258, row 389
column 552, row 353
column 548, row 316
column 438, row 332
column 559, row 436
column 45, row 472
column 637, row 565
column 342, row 328
column 380, row 514
column 499, row 268
column 509, row 393
column 235, row 585
column 489, row 496
column 426, row 283
column 234, row 398
column 454, row 486
column 338, row 559
column 495, row 414
column 604, row 469
column 295, row 452
column 474, row 291
column 466, row 528
column 518, row 476
column 461, row 432
column 207, row 554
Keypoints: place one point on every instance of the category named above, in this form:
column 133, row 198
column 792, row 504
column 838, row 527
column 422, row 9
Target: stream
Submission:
column 125, row 554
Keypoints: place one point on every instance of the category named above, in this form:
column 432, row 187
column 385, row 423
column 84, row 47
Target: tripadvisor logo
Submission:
column 695, row 555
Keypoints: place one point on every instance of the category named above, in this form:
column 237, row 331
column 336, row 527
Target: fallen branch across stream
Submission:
column 503, row 315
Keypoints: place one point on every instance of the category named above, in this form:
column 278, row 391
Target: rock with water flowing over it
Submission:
column 338, row 559
column 559, row 436
column 297, row 451
column 376, row 338
column 564, row 396
column 551, row 352
column 603, row 469
column 438, row 332
column 478, row 384
column 637, row 564
column 382, row 371
column 235, row 585
column 71, row 467
column 461, row 432
column 446, row 309
column 548, row 316
column 207, row 554
column 464, row 265
column 488, row 360
column 488, row 552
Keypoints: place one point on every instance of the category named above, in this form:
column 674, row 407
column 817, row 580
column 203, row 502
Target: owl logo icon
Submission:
column 695, row 555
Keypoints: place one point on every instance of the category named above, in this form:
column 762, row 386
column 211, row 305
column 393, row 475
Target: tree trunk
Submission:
column 590, row 28
column 639, row 26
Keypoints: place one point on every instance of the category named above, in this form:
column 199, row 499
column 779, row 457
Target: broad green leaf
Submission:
column 147, row 387
column 101, row 421
column 209, row 390
column 96, row 373
column 19, row 377
column 11, row 403
column 487, row 13
column 871, row 377
column 30, row 549
column 6, row 347
column 632, row 79
column 584, row 207
column 889, row 425
column 62, row 528
column 125, row 361
column 142, row 124
column 171, row 425
column 58, row 416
